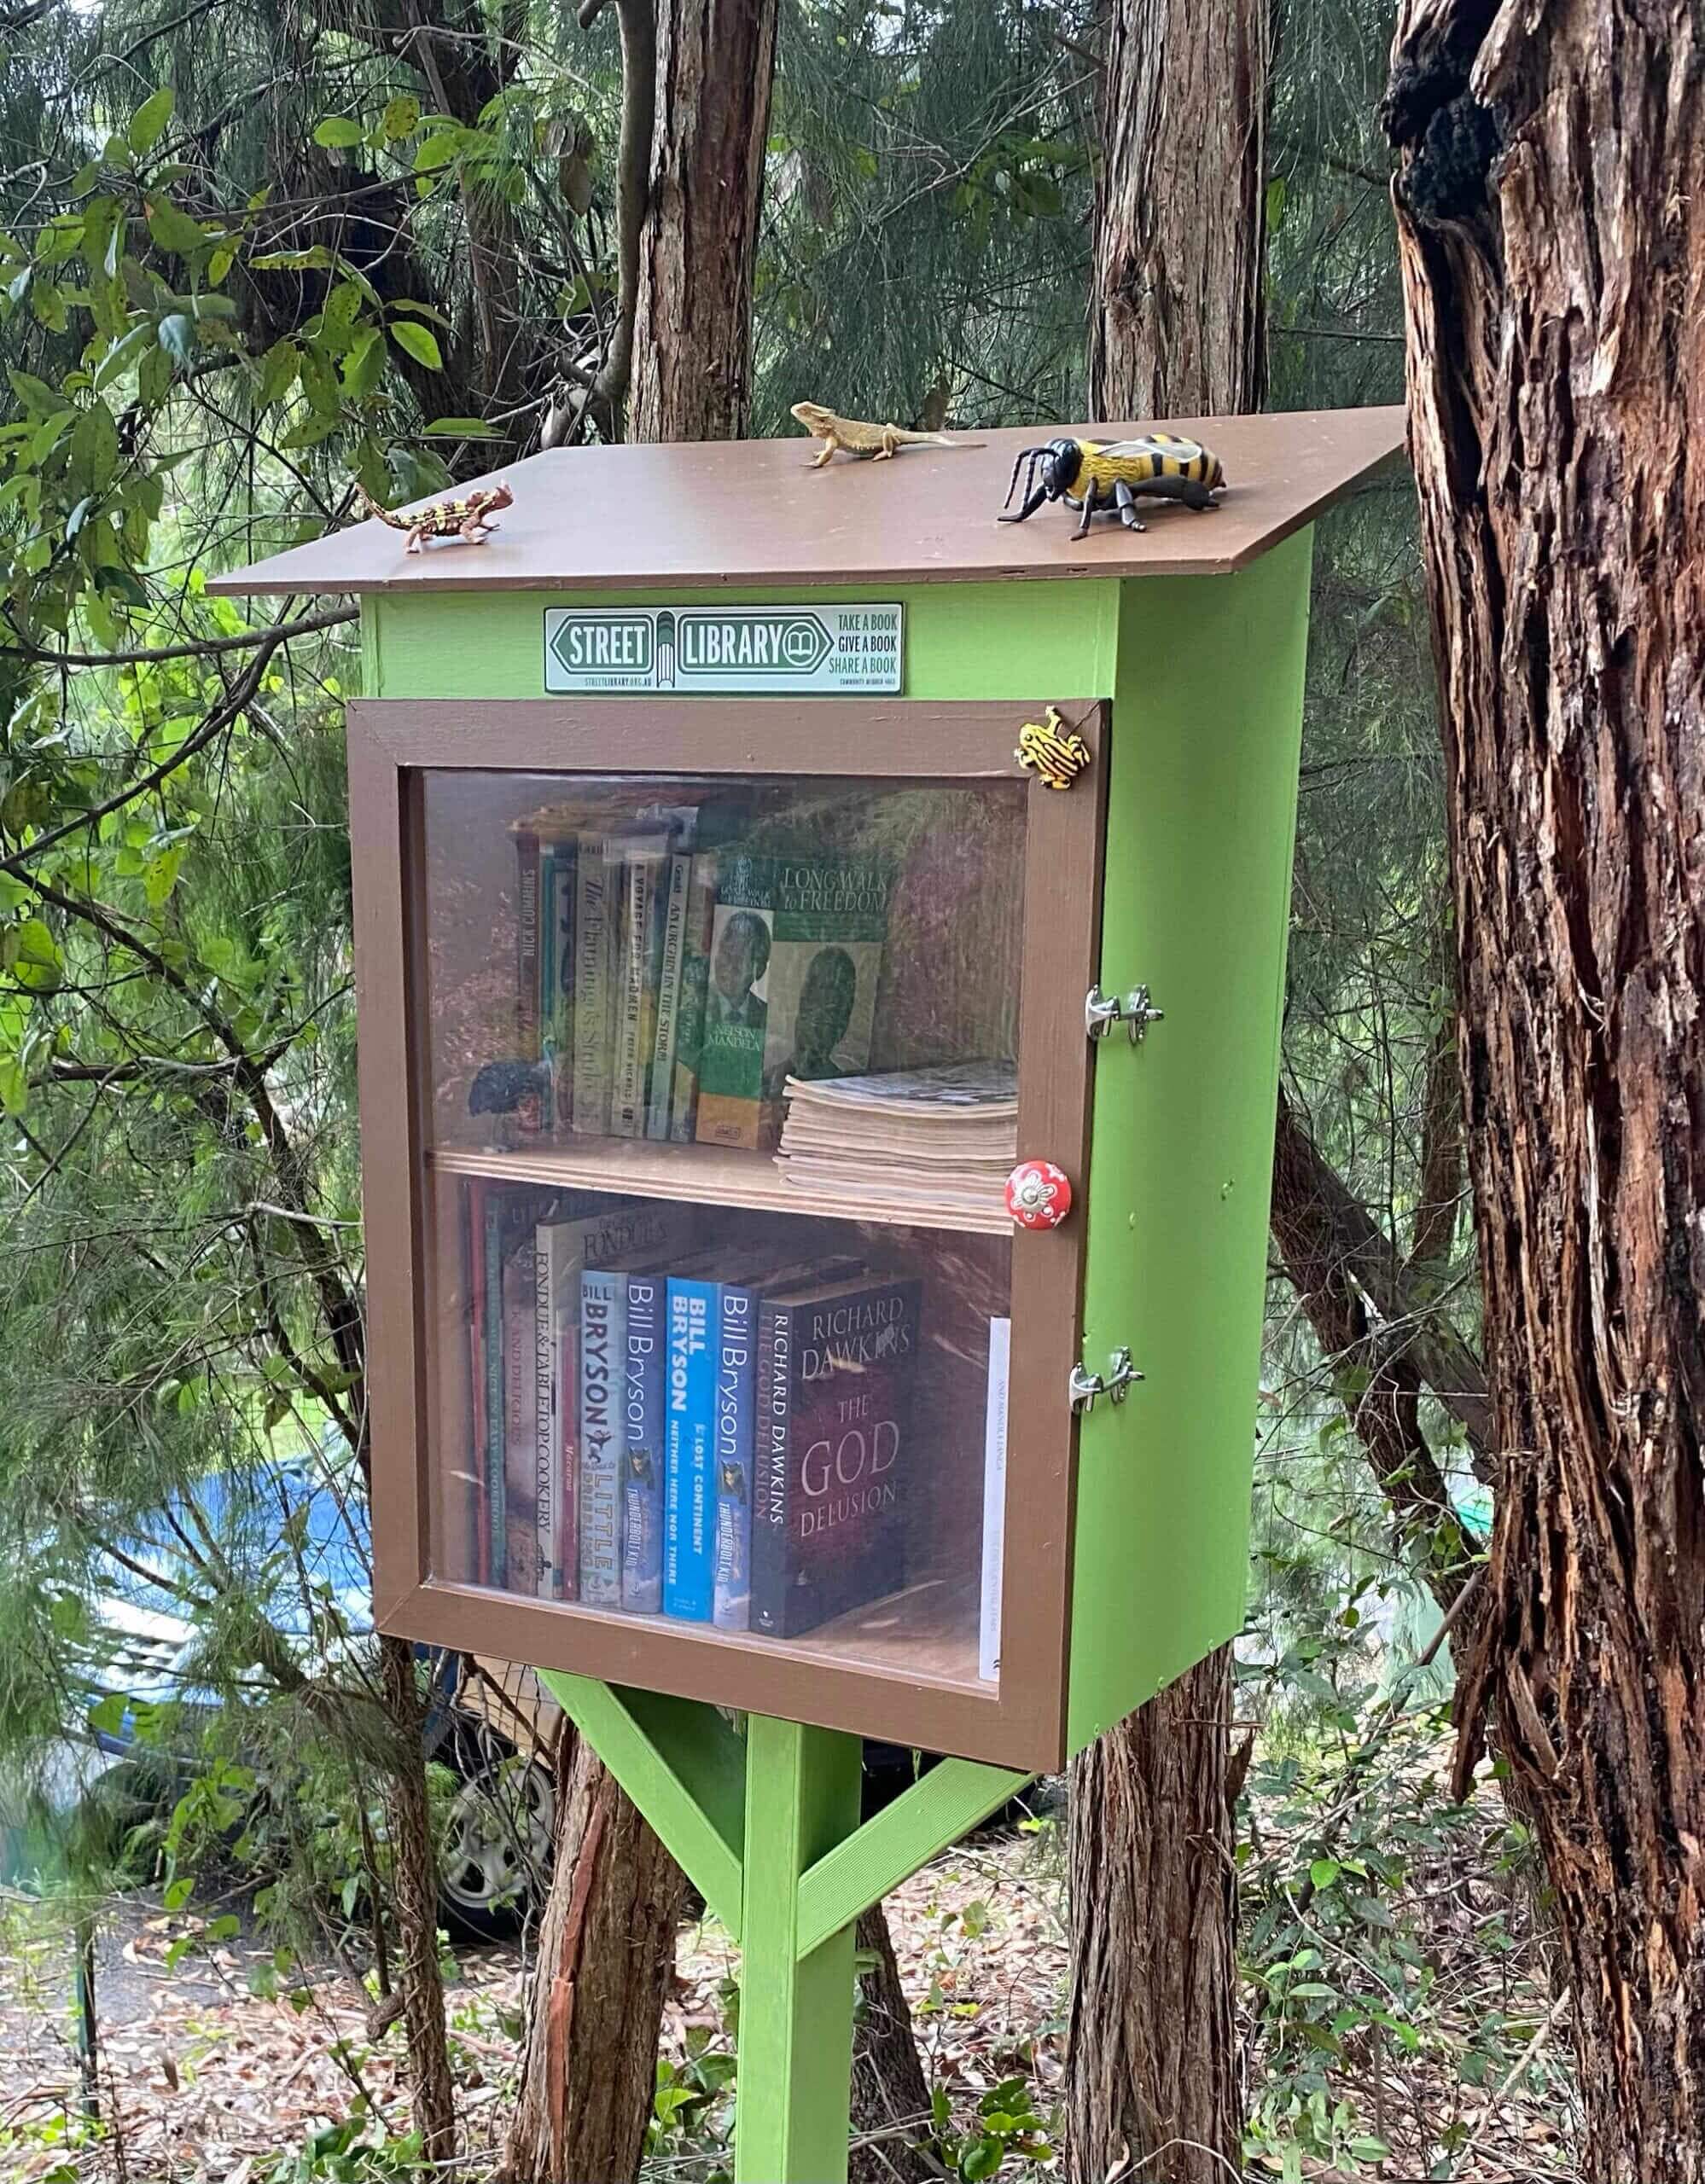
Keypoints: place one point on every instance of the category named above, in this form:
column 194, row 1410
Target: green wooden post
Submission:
column 795, row 2012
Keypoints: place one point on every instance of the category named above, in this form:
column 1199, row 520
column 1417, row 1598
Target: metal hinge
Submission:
column 1084, row 1386
column 1102, row 1011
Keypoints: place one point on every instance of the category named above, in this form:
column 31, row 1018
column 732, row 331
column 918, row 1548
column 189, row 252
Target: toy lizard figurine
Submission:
column 468, row 519
column 853, row 437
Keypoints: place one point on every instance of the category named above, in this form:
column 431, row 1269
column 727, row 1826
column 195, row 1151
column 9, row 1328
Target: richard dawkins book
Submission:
column 833, row 1450
column 796, row 953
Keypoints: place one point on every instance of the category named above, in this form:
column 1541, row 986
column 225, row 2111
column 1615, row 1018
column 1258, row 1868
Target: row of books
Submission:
column 671, row 976
column 942, row 1136
column 722, row 1438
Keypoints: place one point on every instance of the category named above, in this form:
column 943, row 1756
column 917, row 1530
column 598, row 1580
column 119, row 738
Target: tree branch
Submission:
column 194, row 648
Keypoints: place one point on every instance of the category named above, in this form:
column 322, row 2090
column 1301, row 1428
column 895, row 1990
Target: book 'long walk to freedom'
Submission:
column 833, row 1432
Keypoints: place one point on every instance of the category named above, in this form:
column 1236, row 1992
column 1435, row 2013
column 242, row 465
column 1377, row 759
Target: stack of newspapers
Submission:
column 944, row 1137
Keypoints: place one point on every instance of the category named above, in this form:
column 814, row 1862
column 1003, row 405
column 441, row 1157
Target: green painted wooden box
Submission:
column 560, row 1487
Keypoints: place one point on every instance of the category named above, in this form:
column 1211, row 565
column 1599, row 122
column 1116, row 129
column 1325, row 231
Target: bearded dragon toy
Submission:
column 875, row 442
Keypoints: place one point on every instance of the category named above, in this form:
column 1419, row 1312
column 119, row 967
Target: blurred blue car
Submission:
column 295, row 1537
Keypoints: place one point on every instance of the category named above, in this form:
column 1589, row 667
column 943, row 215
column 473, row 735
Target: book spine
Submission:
column 547, row 1474
column 627, row 1100
column 736, row 1378
column 994, row 1502
column 530, row 1112
column 568, row 1438
column 592, row 1074
column 603, row 1309
column 560, row 993
column 642, row 1447
column 689, row 1487
column 772, row 1455
column 474, row 1246
column 683, row 1098
column 736, row 1005
column 496, row 1514
column 669, row 997
column 520, row 1520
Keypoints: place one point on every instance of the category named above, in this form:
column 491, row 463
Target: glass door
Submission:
column 726, row 1345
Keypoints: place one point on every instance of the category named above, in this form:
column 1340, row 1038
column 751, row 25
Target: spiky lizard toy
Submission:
column 467, row 519
column 853, row 437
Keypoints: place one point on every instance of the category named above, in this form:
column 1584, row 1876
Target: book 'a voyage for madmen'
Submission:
column 796, row 954
column 836, row 1365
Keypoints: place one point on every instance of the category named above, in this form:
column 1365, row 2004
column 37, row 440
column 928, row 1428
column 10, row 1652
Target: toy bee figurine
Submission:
column 1111, row 475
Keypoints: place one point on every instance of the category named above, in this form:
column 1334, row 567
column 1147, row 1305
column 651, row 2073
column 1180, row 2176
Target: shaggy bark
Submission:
column 1152, row 2055
column 700, row 242
column 1551, row 219
column 606, row 1949
column 890, row 2093
column 1179, row 228
column 415, row 1869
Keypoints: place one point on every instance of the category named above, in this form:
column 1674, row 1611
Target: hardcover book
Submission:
column 530, row 1113
column 834, row 1431
column 796, row 954
column 558, row 875
column 644, row 865
column 520, row 1517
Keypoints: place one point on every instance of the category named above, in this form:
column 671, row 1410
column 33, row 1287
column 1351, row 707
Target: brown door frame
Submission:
column 391, row 740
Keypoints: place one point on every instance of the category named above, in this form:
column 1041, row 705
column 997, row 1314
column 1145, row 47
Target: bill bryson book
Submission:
column 736, row 1385
column 603, row 1322
column 643, row 1445
column 836, row 1365
column 688, row 1490
column 796, row 956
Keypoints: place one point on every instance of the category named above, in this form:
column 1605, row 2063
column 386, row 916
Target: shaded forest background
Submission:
column 255, row 252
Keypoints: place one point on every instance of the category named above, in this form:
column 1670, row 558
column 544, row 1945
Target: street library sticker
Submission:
column 836, row 651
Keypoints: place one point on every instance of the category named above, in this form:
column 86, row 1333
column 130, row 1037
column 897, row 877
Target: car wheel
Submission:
column 495, row 1844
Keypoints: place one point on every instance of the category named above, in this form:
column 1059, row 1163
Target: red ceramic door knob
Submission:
column 1039, row 1195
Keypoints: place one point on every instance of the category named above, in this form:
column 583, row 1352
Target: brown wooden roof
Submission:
column 754, row 511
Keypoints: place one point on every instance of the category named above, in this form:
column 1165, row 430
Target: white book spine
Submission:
column 592, row 923
column 994, row 1502
column 669, row 997
column 627, row 1100
column 603, row 1318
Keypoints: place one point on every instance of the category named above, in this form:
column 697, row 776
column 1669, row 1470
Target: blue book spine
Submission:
column 736, row 1381
column 644, row 1452
column 689, row 1491
column 603, row 1314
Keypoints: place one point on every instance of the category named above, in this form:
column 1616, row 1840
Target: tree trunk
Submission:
column 890, row 2093
column 415, row 1878
column 606, row 1949
column 1551, row 219
column 1152, row 2056
column 1176, row 326
column 1152, row 2074
column 700, row 240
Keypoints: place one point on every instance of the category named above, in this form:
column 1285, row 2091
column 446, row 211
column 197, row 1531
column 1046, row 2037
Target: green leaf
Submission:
column 419, row 341
column 462, row 428
column 401, row 117
column 14, row 1086
column 178, row 337
column 175, row 1894
column 173, row 229
column 337, row 133
column 1323, row 1872
column 364, row 364
column 277, row 372
column 148, row 122
column 223, row 1929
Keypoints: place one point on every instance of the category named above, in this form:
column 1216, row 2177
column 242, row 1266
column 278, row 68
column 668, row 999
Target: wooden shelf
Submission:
column 709, row 1175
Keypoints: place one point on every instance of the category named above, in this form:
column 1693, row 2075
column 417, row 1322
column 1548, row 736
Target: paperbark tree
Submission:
column 1152, row 2073
column 1551, row 214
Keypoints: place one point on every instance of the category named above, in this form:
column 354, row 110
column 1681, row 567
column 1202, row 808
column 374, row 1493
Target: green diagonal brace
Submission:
column 937, row 1808
column 684, row 1768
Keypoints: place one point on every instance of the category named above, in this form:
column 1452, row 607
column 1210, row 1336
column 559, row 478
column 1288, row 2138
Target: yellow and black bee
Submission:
column 1110, row 476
